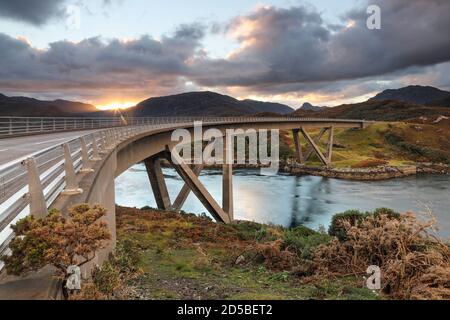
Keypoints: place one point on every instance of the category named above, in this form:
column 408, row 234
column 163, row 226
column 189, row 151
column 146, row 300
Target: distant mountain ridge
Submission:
column 432, row 102
column 391, row 105
column 309, row 107
column 261, row 106
column 204, row 103
column 385, row 110
column 413, row 94
column 30, row 107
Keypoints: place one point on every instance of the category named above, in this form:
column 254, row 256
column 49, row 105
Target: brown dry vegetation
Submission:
column 166, row 255
column 415, row 263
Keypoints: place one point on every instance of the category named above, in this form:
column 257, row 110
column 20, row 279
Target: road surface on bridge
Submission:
column 13, row 149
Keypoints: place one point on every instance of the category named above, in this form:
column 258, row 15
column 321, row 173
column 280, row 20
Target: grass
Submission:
column 166, row 255
column 354, row 148
column 183, row 256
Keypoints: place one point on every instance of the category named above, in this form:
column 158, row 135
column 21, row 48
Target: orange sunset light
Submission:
column 117, row 105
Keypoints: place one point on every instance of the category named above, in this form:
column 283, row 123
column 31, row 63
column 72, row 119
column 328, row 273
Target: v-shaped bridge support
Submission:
column 313, row 145
column 185, row 190
column 192, row 183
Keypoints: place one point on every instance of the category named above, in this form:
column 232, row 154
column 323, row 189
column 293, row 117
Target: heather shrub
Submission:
column 250, row 231
column 57, row 240
column 106, row 279
column 304, row 241
column 126, row 256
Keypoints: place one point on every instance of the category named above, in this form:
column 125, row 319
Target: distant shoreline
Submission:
column 384, row 172
column 369, row 174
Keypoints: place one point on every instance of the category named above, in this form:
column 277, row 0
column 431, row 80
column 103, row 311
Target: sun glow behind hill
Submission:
column 117, row 105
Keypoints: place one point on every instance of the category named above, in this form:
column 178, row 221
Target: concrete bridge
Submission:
column 59, row 162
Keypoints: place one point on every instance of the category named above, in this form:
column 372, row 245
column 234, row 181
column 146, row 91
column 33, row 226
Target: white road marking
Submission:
column 1, row 150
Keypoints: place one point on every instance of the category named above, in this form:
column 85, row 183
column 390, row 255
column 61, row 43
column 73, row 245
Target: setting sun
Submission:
column 116, row 105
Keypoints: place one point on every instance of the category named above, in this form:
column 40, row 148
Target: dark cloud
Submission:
column 39, row 12
column 296, row 46
column 282, row 50
column 32, row 11
column 94, row 64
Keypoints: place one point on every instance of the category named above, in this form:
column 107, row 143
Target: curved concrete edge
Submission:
column 41, row 285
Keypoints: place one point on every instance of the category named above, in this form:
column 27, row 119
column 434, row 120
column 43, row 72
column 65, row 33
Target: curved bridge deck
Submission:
column 61, row 165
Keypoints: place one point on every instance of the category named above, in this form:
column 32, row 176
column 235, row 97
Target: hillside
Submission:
column 384, row 143
column 273, row 107
column 413, row 94
column 24, row 106
column 204, row 104
column 412, row 103
column 387, row 110
column 445, row 102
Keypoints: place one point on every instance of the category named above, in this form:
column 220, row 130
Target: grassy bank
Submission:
column 166, row 255
column 385, row 144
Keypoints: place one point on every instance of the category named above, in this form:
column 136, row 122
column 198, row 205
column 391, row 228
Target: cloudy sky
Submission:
column 104, row 51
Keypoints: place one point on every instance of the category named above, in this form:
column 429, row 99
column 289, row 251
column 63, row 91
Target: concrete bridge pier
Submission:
column 227, row 178
column 298, row 146
column 156, row 177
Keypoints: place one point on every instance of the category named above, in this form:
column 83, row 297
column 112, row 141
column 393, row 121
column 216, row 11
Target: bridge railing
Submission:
column 14, row 126
column 30, row 186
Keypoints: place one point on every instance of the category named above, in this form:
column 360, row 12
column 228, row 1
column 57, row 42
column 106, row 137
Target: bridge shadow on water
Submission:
column 306, row 200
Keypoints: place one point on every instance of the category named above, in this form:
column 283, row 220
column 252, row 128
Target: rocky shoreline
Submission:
column 361, row 174
column 367, row 174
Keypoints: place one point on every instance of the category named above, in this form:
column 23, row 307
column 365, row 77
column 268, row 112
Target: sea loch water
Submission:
column 308, row 200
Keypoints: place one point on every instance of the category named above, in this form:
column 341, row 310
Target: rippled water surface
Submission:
column 288, row 200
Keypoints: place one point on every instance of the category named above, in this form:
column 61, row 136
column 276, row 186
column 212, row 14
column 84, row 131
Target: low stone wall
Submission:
column 378, row 173
column 433, row 168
